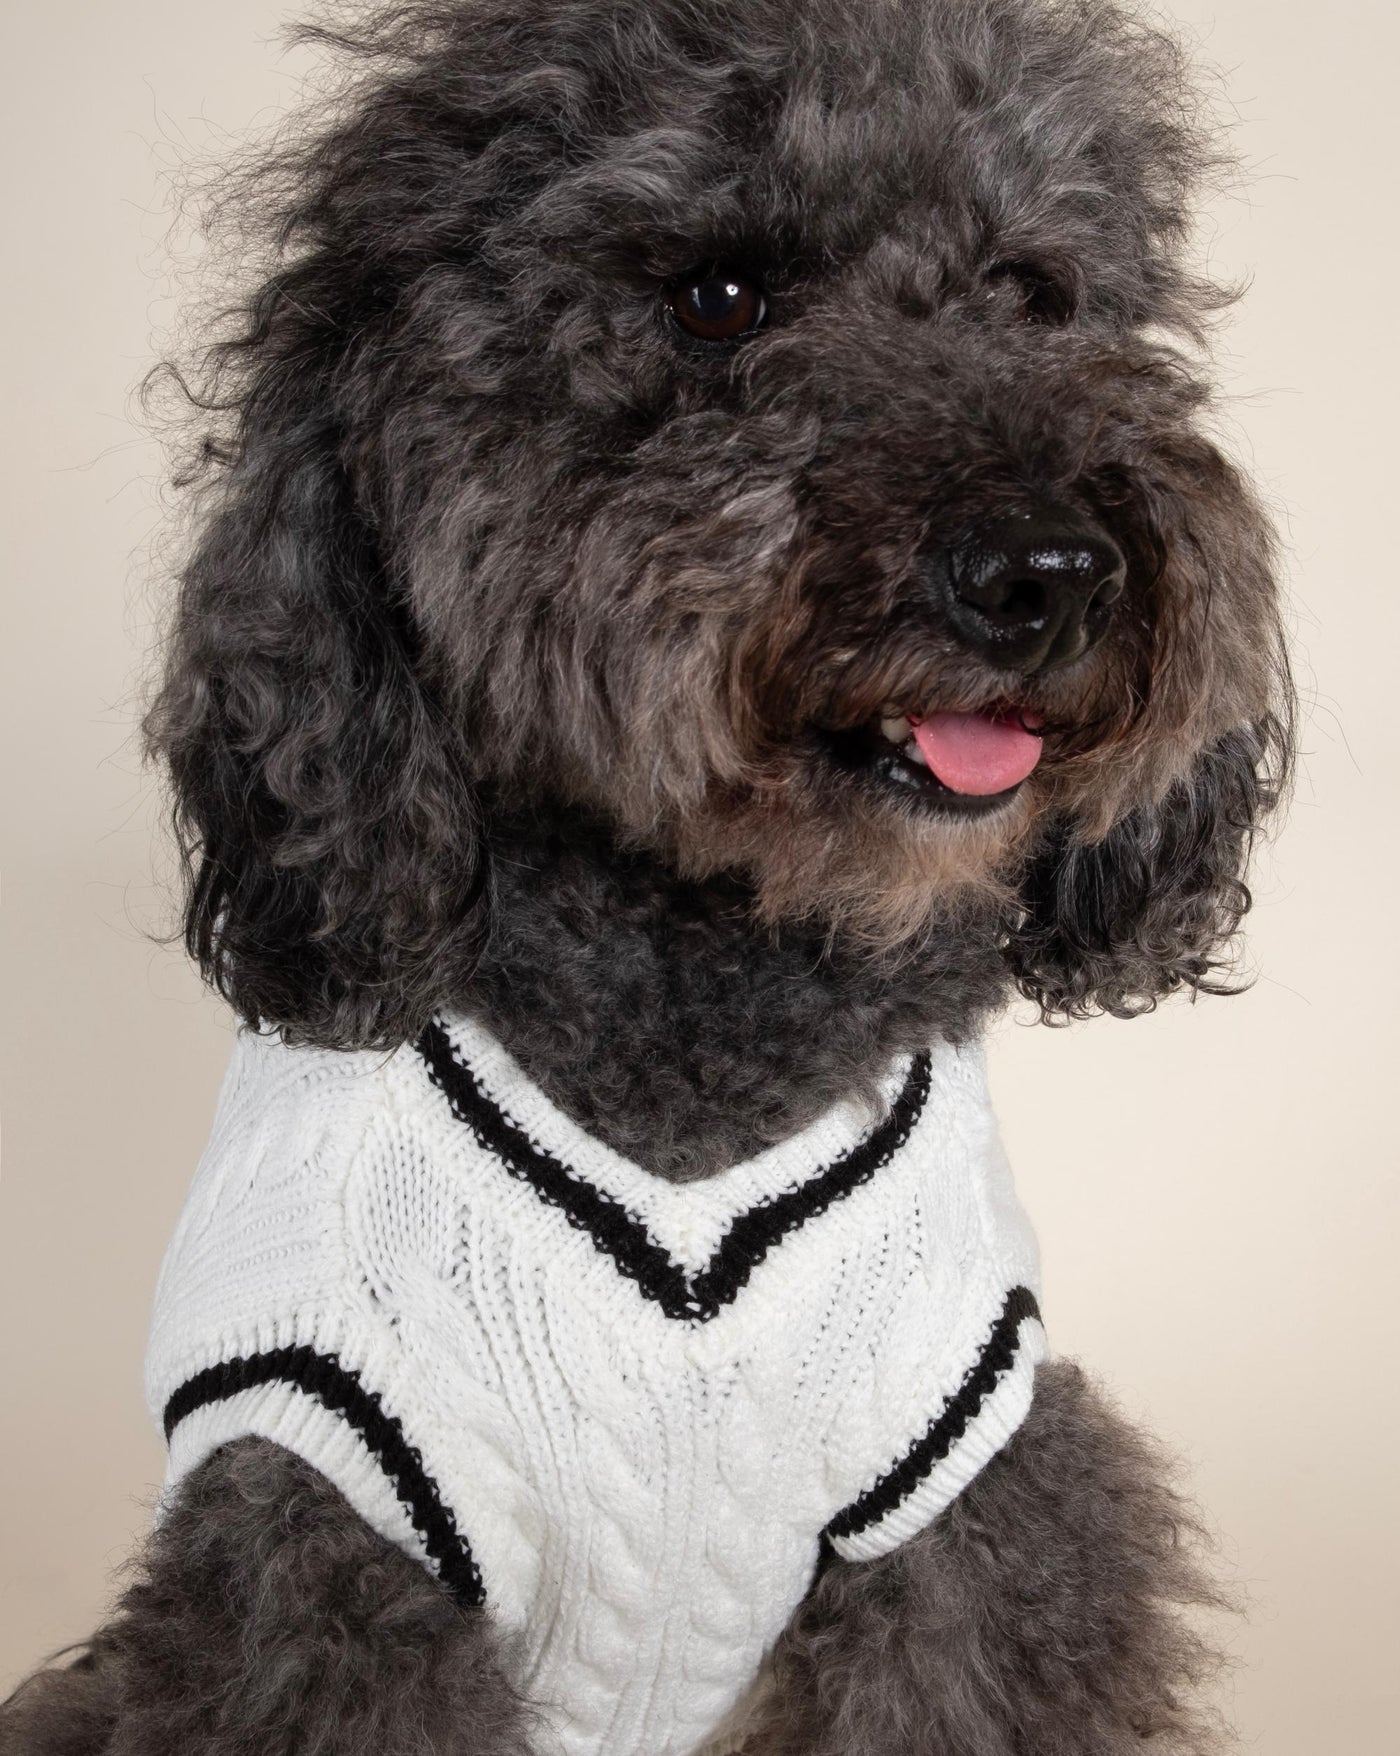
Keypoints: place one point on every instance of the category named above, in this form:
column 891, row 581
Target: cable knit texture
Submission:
column 627, row 1416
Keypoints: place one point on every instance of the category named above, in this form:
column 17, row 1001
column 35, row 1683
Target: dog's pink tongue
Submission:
column 973, row 753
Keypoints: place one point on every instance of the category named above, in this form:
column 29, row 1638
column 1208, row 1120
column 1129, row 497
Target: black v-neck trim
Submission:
column 619, row 1234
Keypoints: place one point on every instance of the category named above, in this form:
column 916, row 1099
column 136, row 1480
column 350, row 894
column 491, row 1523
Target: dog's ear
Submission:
column 334, row 873
column 1117, row 924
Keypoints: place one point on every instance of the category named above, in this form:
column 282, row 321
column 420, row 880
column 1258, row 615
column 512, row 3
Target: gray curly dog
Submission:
column 712, row 564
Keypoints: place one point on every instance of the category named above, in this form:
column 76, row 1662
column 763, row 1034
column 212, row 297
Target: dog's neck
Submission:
column 666, row 1022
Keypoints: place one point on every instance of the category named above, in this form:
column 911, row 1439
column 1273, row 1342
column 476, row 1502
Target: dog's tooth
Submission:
column 896, row 730
column 912, row 753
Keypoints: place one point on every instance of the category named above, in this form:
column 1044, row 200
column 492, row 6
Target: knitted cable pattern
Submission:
column 628, row 1417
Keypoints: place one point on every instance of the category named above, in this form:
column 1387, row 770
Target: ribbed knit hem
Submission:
column 997, row 1418
column 292, row 1418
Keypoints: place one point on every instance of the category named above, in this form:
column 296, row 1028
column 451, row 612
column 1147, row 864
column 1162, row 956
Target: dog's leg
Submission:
column 268, row 1620
column 1042, row 1613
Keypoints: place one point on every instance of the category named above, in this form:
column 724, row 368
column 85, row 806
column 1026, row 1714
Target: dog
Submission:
column 713, row 576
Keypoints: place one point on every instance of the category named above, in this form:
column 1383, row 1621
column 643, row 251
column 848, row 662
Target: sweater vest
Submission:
column 629, row 1418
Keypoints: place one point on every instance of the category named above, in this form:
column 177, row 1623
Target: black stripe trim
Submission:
column 339, row 1390
column 623, row 1237
column 998, row 1355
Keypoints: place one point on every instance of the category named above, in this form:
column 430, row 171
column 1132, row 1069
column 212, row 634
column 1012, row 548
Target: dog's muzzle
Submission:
column 1029, row 592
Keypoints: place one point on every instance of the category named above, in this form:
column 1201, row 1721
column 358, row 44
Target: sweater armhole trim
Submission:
column 340, row 1391
column 998, row 1356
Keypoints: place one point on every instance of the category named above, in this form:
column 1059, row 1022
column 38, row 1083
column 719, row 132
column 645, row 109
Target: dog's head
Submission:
column 756, row 424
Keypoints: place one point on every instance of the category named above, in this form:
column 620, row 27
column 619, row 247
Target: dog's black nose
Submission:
column 1030, row 592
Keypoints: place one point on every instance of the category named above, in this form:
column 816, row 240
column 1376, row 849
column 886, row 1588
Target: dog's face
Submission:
column 756, row 423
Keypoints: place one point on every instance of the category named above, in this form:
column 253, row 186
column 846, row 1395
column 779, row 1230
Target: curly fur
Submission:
column 267, row 1617
column 1113, row 925
column 500, row 675
column 465, row 326
column 654, row 1010
column 1046, row 1611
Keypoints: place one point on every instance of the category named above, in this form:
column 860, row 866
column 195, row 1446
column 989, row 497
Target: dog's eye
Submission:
column 717, row 304
column 1042, row 297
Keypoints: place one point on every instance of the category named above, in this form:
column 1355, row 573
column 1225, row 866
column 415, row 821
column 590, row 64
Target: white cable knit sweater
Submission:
column 627, row 1416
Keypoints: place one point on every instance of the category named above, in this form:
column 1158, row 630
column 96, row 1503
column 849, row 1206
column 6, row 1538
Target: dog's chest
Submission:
column 633, row 1414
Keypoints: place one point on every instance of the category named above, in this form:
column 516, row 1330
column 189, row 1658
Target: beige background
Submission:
column 1215, row 1186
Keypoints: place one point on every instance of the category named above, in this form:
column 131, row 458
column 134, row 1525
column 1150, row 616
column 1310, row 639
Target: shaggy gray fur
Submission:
column 506, row 671
column 266, row 1617
column 1042, row 1613
column 480, row 521
column 651, row 1008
